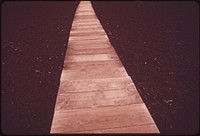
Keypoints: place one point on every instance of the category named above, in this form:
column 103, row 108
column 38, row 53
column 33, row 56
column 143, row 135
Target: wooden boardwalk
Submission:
column 96, row 95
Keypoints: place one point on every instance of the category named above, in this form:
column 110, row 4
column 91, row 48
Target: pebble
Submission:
column 37, row 71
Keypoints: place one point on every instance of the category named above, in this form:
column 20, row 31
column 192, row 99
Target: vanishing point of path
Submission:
column 96, row 95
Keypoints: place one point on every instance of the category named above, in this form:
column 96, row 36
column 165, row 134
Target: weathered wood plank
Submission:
column 81, row 23
column 92, row 64
column 93, row 73
column 85, row 22
column 80, row 85
column 91, row 37
column 72, row 51
column 87, row 33
column 97, row 99
column 148, row 128
column 84, row 15
column 85, row 8
column 92, row 42
column 79, row 46
column 88, row 28
column 100, row 118
column 93, row 57
column 87, row 19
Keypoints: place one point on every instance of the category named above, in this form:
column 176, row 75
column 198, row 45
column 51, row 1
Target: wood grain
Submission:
column 96, row 95
column 72, row 51
column 93, row 57
column 147, row 128
column 83, row 85
column 99, row 98
column 93, row 73
column 100, row 118
column 92, row 64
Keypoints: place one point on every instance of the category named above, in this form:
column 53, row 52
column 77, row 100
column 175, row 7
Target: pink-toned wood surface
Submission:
column 96, row 95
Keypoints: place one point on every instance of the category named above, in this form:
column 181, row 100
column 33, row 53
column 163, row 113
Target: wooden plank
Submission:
column 86, row 19
column 86, row 27
column 100, row 118
column 86, row 4
column 72, row 51
column 92, row 64
column 85, row 22
column 148, row 128
column 81, row 23
column 93, row 73
column 92, row 43
column 84, row 15
column 85, row 10
column 80, row 32
column 93, row 57
column 86, row 43
column 89, row 28
column 80, row 85
column 98, row 98
column 79, row 46
column 81, row 11
column 91, row 37
column 86, row 33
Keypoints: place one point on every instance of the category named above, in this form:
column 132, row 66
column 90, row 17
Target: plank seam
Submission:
column 112, row 128
column 99, row 107
column 97, row 91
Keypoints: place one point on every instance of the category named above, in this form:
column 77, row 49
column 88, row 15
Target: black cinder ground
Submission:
column 158, row 43
column 34, row 42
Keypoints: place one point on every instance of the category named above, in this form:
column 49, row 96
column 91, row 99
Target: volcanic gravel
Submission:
column 34, row 42
column 158, row 43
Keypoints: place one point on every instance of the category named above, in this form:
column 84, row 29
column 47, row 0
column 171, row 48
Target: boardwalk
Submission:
column 96, row 95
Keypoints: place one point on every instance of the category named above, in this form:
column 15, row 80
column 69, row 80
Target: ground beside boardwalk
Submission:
column 158, row 44
column 34, row 41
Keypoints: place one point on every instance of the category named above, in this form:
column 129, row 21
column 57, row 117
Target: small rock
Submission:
column 37, row 71
column 168, row 101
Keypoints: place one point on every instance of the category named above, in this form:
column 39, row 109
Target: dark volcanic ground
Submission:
column 158, row 43
column 34, row 39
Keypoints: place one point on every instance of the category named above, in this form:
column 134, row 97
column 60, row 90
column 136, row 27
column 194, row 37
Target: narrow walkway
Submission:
column 96, row 95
